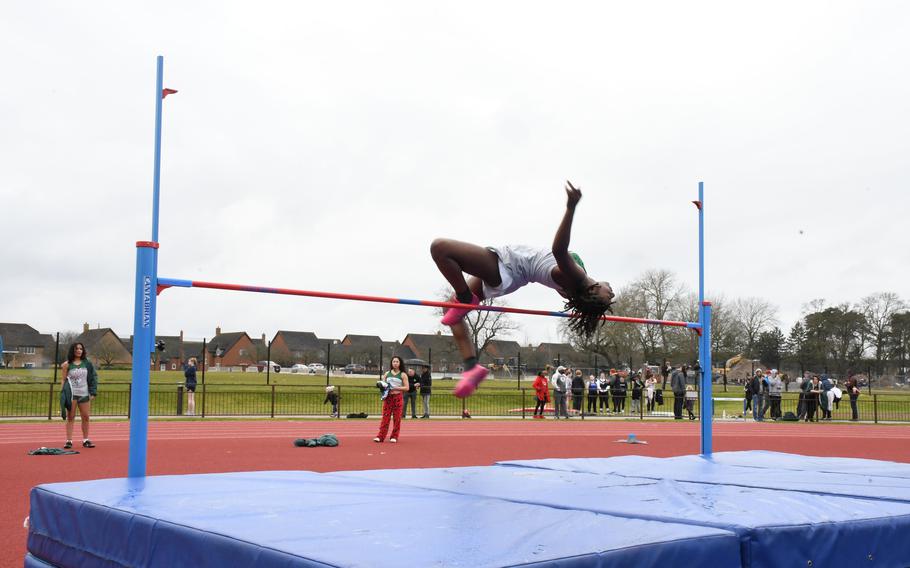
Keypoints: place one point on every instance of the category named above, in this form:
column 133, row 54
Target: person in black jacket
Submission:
column 678, row 385
column 190, row 375
column 410, row 396
column 426, row 385
column 637, row 386
column 618, row 389
column 578, row 390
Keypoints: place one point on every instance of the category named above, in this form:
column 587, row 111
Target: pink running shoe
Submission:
column 455, row 315
column 469, row 381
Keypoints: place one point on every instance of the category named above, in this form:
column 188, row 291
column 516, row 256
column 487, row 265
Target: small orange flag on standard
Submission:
column 166, row 92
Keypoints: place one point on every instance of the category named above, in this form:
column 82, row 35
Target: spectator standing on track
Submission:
column 650, row 385
column 637, row 386
column 678, row 386
column 755, row 384
column 603, row 393
column 410, row 396
column 425, row 382
column 618, row 389
column 824, row 399
column 592, row 395
column 691, row 397
column 189, row 374
column 747, row 397
column 852, row 388
column 80, row 386
column 542, row 390
column 765, row 394
column 559, row 392
column 805, row 385
column 813, row 389
column 578, row 390
column 775, row 386
column 397, row 379
column 331, row 396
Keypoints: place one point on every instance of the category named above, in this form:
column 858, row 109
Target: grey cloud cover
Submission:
column 323, row 146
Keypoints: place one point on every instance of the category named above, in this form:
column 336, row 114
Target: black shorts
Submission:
column 190, row 388
column 82, row 399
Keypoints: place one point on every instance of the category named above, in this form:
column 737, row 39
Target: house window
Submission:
column 242, row 352
column 28, row 350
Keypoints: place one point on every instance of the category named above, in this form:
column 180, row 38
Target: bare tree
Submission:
column 106, row 352
column 616, row 342
column 878, row 309
column 655, row 295
column 753, row 316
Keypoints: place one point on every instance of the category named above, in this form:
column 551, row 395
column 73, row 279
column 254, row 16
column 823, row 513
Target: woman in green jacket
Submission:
column 80, row 386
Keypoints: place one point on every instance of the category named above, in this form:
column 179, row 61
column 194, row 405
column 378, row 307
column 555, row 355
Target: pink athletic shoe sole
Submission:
column 455, row 315
column 469, row 381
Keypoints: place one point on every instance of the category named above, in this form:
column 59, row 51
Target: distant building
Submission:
column 24, row 347
column 104, row 347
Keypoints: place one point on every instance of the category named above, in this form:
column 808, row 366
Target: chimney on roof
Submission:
column 181, row 335
column 218, row 330
column 263, row 338
column 438, row 333
column 85, row 327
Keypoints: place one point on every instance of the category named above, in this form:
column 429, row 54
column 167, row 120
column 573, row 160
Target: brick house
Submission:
column 104, row 347
column 438, row 349
column 23, row 346
column 289, row 347
column 233, row 349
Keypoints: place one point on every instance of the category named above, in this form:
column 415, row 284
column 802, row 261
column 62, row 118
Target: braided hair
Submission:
column 587, row 307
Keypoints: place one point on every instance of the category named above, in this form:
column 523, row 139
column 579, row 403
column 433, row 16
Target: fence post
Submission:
column 875, row 408
column 129, row 401
column 179, row 400
column 273, row 401
column 50, row 402
column 204, row 398
column 338, row 388
column 523, row 404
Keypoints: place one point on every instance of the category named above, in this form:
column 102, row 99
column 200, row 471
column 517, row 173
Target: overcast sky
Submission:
column 324, row 145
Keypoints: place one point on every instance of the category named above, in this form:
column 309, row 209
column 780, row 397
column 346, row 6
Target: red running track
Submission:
column 212, row 447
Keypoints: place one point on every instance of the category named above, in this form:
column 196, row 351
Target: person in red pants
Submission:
column 397, row 379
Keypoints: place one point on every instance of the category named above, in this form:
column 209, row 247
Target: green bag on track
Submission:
column 329, row 440
column 42, row 451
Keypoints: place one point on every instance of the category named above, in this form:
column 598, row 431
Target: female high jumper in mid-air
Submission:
column 498, row 271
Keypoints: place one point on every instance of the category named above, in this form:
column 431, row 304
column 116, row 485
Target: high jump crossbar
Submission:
column 149, row 285
column 164, row 283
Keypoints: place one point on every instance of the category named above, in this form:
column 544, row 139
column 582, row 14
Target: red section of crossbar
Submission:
column 381, row 299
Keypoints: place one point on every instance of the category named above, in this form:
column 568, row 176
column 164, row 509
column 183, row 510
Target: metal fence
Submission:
column 42, row 401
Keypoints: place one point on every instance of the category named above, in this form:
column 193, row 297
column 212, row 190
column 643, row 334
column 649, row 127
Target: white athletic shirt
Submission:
column 78, row 378
column 519, row 265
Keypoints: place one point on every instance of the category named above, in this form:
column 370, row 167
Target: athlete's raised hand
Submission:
column 573, row 194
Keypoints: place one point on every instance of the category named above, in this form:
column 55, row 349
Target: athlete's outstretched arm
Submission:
column 564, row 233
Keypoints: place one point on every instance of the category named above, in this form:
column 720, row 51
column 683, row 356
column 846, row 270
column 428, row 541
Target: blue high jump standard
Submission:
column 736, row 509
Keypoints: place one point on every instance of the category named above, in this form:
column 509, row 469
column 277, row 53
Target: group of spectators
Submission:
column 607, row 392
column 818, row 396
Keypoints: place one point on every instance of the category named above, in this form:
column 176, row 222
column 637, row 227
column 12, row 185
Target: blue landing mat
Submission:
column 271, row 519
column 625, row 511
